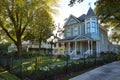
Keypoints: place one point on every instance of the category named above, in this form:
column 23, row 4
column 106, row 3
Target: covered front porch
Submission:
column 78, row 47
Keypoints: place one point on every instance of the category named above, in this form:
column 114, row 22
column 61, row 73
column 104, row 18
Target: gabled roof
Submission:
column 66, row 39
column 83, row 37
column 82, row 17
column 71, row 16
column 90, row 12
column 76, row 38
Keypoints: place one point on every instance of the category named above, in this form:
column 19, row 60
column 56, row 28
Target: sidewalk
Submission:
column 106, row 72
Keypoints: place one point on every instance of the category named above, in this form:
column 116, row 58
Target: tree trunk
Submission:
column 19, row 48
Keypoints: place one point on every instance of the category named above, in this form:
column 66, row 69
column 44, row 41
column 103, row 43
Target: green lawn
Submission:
column 6, row 75
column 29, row 64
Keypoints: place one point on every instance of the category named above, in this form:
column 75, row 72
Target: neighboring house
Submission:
column 12, row 47
column 83, row 35
column 30, row 44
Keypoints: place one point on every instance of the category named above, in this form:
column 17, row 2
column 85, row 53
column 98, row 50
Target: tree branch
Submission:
column 10, row 14
column 7, row 32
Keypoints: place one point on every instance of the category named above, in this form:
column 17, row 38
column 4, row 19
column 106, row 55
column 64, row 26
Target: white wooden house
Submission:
column 83, row 35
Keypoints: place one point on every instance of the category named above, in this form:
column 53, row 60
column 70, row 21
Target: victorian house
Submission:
column 83, row 35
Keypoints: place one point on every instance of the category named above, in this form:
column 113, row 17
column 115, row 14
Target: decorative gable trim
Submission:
column 69, row 18
column 82, row 37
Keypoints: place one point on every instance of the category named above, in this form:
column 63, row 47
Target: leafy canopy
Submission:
column 16, row 17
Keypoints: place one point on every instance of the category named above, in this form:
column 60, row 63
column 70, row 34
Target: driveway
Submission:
column 109, row 71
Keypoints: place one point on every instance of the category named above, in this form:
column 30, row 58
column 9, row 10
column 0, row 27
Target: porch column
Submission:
column 75, row 46
column 63, row 44
column 63, row 48
column 69, row 47
column 91, row 47
column 88, row 45
column 81, row 48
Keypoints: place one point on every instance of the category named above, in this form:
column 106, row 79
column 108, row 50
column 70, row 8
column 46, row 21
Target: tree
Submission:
column 59, row 31
column 72, row 2
column 115, row 36
column 17, row 15
column 42, row 27
column 108, row 12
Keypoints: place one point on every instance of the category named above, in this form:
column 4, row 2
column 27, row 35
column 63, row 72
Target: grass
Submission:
column 28, row 65
column 6, row 75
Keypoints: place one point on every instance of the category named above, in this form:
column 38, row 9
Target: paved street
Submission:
column 106, row 72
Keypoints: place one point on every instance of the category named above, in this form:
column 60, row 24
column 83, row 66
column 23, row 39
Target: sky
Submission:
column 77, row 10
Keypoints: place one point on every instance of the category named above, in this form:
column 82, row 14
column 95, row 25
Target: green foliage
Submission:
column 115, row 36
column 41, row 67
column 25, row 54
column 118, row 56
column 19, row 16
column 72, row 2
column 108, row 57
column 4, row 47
column 108, row 12
column 62, row 57
column 6, row 75
column 42, row 24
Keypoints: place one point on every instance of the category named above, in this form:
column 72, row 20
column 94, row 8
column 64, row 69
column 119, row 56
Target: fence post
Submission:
column 7, row 65
column 67, row 62
column 95, row 58
column 0, row 58
column 109, row 57
column 84, row 60
column 11, row 61
column 21, row 73
column 36, row 63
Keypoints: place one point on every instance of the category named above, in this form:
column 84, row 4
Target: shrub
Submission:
column 25, row 54
column 108, row 57
column 118, row 56
column 4, row 47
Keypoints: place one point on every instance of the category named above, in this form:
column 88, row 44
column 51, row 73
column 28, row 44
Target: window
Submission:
column 93, row 19
column 88, row 27
column 72, row 21
column 75, row 31
column 68, row 32
column 93, row 27
column 87, row 19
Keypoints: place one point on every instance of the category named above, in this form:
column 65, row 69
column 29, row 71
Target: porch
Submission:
column 77, row 49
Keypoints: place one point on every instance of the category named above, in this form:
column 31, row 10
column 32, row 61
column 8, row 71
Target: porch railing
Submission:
column 89, row 52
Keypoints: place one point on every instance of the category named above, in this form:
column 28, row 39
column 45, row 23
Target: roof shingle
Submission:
column 90, row 12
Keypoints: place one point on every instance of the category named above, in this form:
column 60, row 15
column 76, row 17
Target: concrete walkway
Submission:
column 106, row 72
